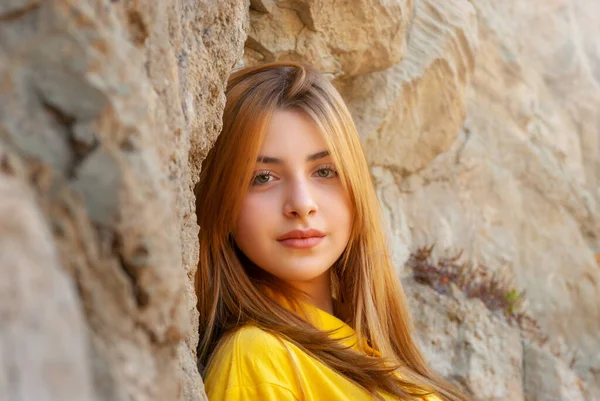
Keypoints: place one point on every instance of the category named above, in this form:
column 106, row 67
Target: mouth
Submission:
column 301, row 243
column 301, row 239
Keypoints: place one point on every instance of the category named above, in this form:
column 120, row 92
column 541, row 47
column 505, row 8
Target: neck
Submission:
column 319, row 291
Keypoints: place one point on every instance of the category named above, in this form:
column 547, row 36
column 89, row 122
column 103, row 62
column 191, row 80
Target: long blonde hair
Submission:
column 232, row 291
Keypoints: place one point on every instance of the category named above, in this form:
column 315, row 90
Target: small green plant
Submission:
column 514, row 299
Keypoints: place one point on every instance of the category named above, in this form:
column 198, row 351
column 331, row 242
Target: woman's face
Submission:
column 295, row 187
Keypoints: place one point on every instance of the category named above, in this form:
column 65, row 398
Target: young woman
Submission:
column 297, row 295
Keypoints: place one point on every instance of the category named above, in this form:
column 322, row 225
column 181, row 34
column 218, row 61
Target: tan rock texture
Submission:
column 339, row 38
column 549, row 378
column 44, row 352
column 480, row 120
column 467, row 344
column 109, row 107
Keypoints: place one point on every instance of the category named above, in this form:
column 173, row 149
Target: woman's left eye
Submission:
column 327, row 172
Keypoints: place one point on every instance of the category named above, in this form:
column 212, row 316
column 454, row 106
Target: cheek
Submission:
column 253, row 218
column 341, row 210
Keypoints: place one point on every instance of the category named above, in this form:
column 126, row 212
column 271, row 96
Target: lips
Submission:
column 299, row 234
column 301, row 239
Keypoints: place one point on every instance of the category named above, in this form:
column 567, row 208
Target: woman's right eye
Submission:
column 261, row 178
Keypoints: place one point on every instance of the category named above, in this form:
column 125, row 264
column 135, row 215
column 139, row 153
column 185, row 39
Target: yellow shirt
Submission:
column 254, row 365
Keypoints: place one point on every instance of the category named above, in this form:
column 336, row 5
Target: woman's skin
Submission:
column 295, row 186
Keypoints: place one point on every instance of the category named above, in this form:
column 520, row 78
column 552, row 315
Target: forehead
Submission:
column 291, row 133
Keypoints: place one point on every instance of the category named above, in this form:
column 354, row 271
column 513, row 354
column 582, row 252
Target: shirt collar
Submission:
column 342, row 332
column 325, row 321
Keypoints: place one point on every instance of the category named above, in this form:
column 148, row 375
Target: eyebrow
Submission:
column 274, row 160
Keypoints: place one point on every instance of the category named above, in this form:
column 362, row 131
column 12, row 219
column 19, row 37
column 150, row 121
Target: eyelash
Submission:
column 329, row 168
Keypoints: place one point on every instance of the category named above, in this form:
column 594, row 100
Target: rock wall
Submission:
column 106, row 110
column 485, row 356
column 467, row 344
column 480, row 119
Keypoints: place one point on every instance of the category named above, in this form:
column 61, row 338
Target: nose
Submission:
column 299, row 200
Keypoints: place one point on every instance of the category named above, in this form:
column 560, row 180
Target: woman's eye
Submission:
column 261, row 178
column 326, row 172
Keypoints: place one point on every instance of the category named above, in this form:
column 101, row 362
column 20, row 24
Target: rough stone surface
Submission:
column 110, row 107
column 464, row 342
column 548, row 378
column 339, row 38
column 43, row 337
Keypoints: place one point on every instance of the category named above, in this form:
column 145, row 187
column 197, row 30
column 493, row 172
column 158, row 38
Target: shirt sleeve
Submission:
column 262, row 391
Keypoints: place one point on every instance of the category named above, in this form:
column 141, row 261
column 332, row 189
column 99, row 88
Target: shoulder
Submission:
column 250, row 358
column 252, row 335
column 251, row 344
